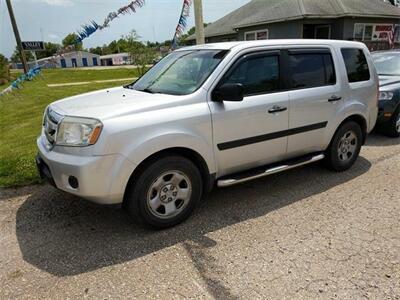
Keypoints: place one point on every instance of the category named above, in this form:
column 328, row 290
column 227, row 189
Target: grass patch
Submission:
column 21, row 115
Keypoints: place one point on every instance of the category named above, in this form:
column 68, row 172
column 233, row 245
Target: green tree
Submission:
column 97, row 50
column 140, row 54
column 70, row 40
column 50, row 50
column 15, row 57
column 4, row 70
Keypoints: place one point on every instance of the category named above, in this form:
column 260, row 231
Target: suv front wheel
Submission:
column 345, row 147
column 165, row 193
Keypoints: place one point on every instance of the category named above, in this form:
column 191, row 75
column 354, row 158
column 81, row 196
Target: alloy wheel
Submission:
column 169, row 194
column 347, row 146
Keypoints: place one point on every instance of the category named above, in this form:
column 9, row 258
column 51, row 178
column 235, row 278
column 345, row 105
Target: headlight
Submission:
column 386, row 95
column 78, row 132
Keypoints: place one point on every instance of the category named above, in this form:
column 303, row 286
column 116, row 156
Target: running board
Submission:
column 272, row 169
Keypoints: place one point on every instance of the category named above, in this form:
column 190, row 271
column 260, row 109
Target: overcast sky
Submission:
column 51, row 20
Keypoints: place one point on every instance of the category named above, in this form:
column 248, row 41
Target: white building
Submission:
column 115, row 59
column 73, row 59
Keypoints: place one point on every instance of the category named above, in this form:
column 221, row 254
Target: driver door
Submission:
column 252, row 132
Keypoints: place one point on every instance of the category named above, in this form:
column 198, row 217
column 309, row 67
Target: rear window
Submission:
column 309, row 70
column 356, row 65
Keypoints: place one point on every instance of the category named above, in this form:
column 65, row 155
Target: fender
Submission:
column 352, row 107
column 139, row 151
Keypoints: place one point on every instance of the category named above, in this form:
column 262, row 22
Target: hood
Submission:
column 111, row 103
column 389, row 83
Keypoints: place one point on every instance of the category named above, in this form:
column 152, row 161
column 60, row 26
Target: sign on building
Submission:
column 33, row 46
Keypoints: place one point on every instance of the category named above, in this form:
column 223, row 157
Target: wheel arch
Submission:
column 192, row 155
column 360, row 120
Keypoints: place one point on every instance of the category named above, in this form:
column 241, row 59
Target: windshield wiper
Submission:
column 383, row 74
column 147, row 90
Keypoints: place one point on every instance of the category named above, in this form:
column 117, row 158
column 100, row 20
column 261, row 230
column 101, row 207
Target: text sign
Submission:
column 33, row 46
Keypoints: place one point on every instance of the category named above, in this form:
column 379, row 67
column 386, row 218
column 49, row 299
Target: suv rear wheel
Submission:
column 165, row 193
column 345, row 147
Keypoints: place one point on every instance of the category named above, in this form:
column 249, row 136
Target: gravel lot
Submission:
column 307, row 233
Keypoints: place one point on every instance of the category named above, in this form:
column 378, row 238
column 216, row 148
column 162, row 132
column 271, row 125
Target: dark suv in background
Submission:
column 387, row 64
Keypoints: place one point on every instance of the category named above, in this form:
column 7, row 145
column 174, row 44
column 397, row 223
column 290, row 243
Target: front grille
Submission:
column 50, row 124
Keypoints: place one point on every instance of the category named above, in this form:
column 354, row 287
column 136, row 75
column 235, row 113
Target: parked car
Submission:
column 216, row 114
column 388, row 66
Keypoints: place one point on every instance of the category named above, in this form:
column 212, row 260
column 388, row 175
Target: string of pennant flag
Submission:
column 182, row 23
column 88, row 29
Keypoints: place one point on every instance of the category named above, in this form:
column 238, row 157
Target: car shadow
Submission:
column 64, row 235
column 378, row 140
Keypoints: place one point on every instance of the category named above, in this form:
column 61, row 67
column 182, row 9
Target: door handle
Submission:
column 334, row 98
column 276, row 109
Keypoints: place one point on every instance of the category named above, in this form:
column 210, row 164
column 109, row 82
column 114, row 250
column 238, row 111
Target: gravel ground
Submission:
column 307, row 233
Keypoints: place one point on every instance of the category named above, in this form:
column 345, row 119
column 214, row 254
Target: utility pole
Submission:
column 17, row 37
column 198, row 14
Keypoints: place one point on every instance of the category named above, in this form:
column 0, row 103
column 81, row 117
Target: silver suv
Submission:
column 213, row 114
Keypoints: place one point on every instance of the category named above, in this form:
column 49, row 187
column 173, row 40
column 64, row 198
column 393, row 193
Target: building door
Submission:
column 322, row 32
column 95, row 61
column 84, row 61
column 74, row 64
column 63, row 63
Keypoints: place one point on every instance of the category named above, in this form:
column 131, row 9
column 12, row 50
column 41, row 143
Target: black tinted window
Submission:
column 311, row 70
column 356, row 65
column 258, row 75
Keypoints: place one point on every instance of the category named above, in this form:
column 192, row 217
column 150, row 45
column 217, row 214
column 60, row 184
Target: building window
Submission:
column 372, row 32
column 256, row 35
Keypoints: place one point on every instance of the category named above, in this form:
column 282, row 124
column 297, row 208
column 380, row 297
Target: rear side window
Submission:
column 356, row 65
column 258, row 75
column 312, row 69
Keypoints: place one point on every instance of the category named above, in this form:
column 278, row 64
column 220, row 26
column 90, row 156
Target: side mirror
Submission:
column 229, row 92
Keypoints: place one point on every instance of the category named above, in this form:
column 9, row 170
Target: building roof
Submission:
column 271, row 11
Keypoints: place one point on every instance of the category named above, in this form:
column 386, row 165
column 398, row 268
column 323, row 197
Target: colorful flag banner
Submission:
column 89, row 29
column 182, row 23
column 17, row 83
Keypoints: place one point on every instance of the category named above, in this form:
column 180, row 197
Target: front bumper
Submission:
column 101, row 179
column 386, row 110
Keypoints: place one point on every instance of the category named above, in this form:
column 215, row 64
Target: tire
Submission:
column 165, row 193
column 393, row 128
column 345, row 147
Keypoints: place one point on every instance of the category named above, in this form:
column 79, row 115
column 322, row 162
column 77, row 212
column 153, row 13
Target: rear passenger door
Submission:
column 315, row 97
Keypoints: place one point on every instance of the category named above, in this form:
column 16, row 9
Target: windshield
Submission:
column 180, row 73
column 387, row 63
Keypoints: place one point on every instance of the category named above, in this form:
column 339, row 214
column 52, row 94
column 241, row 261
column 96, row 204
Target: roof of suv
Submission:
column 275, row 42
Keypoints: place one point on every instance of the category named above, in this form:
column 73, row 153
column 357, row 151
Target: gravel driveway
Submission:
column 307, row 233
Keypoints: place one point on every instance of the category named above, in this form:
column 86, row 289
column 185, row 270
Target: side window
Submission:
column 309, row 70
column 258, row 75
column 356, row 65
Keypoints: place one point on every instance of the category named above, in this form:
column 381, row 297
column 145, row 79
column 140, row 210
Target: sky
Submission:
column 52, row 20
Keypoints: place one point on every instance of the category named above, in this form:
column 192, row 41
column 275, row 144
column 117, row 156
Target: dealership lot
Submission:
column 306, row 233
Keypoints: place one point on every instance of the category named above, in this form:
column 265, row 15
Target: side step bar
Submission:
column 272, row 169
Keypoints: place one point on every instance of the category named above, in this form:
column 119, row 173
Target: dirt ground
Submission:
column 307, row 233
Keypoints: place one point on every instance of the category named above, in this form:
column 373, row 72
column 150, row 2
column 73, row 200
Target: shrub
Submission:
column 4, row 70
